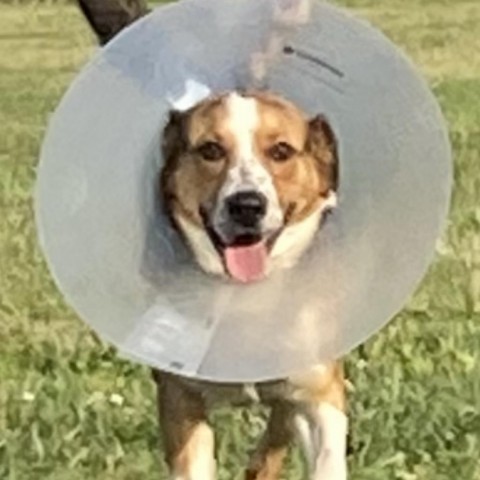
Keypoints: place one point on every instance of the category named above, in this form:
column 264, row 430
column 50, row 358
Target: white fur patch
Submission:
column 309, row 439
column 323, row 437
column 247, row 172
column 201, row 461
column 203, row 249
column 294, row 240
column 242, row 121
column 330, row 463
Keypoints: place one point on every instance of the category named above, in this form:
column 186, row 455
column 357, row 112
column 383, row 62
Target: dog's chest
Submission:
column 218, row 394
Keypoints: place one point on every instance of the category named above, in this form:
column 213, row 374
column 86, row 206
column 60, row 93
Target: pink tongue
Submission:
column 246, row 264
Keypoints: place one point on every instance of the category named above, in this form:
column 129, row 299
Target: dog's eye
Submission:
column 211, row 151
column 281, row 152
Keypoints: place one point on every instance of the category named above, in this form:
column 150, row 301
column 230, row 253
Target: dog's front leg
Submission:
column 332, row 425
column 188, row 439
column 323, row 425
column 267, row 460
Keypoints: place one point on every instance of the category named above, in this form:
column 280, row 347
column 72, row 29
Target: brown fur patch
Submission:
column 322, row 386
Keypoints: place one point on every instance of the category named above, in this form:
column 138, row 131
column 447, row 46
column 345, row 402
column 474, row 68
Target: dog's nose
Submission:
column 247, row 208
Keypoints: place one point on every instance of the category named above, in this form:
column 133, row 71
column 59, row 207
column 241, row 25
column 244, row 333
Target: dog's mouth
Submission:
column 245, row 257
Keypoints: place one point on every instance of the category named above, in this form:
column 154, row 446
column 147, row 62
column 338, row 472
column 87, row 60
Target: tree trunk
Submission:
column 108, row 17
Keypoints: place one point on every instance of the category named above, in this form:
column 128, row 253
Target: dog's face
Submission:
column 246, row 179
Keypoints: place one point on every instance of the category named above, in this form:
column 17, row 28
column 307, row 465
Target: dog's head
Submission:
column 246, row 179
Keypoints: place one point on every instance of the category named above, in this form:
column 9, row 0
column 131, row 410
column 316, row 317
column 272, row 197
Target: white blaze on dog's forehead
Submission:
column 247, row 172
column 242, row 121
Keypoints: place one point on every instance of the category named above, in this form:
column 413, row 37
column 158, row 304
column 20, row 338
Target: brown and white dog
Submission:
column 246, row 181
column 247, row 178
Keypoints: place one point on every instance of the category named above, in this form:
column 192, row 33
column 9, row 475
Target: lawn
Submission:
column 71, row 409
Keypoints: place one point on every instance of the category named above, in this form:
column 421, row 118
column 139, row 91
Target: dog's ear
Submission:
column 174, row 141
column 322, row 144
column 173, row 144
column 108, row 17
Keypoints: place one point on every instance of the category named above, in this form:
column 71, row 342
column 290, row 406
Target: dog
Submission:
column 247, row 178
column 246, row 181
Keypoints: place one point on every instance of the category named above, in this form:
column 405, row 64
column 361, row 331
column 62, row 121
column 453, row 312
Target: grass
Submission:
column 71, row 409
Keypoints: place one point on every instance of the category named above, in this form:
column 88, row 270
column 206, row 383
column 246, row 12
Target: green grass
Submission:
column 415, row 408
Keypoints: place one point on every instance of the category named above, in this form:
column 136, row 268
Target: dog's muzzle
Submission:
column 245, row 211
column 239, row 234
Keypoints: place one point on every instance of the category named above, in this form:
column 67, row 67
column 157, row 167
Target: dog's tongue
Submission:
column 246, row 263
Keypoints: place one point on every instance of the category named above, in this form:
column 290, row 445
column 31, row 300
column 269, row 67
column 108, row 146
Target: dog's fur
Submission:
column 245, row 129
column 248, row 130
column 297, row 183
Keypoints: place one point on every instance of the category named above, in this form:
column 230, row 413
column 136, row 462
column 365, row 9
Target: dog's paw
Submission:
column 330, row 467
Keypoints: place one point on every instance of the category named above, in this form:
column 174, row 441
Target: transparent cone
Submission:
column 127, row 273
